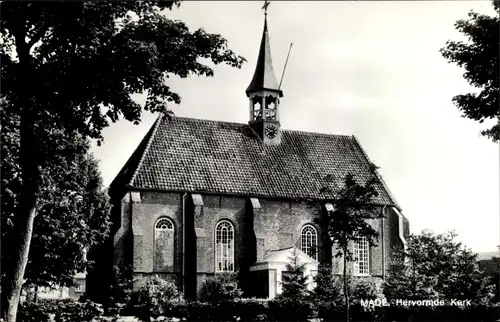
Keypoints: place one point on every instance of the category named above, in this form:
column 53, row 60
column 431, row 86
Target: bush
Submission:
column 155, row 298
column 363, row 288
column 195, row 311
column 328, row 311
column 420, row 313
column 120, row 289
column 327, row 296
column 71, row 311
column 226, row 310
column 244, row 309
column 290, row 309
column 485, row 313
column 221, row 287
column 359, row 312
column 329, row 301
column 252, row 309
column 63, row 310
column 33, row 312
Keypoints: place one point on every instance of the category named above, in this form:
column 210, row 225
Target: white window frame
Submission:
column 361, row 263
column 224, row 251
column 169, row 226
column 309, row 240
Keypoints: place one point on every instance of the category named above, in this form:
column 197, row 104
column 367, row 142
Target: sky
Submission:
column 366, row 68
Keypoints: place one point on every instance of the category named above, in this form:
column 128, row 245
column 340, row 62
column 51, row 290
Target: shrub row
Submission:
column 71, row 311
column 442, row 313
column 220, row 300
column 300, row 310
column 227, row 310
column 61, row 310
column 393, row 313
column 262, row 310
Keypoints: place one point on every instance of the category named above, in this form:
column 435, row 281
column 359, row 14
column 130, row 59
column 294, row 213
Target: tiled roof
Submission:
column 193, row 155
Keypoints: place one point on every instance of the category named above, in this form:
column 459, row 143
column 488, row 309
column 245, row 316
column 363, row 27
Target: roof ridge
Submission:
column 319, row 133
column 377, row 174
column 206, row 120
column 246, row 124
column 146, row 149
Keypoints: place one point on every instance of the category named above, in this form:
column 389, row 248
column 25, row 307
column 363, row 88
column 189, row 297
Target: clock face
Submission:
column 271, row 131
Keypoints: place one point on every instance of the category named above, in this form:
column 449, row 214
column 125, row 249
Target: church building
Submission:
column 202, row 197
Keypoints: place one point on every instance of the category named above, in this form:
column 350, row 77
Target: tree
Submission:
column 293, row 303
column 479, row 58
column 121, row 289
column 354, row 206
column 327, row 295
column 437, row 267
column 294, row 281
column 155, row 297
column 327, row 289
column 73, row 206
column 219, row 288
column 495, row 280
column 71, row 67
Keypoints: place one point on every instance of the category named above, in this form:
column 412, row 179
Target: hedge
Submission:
column 62, row 310
column 263, row 310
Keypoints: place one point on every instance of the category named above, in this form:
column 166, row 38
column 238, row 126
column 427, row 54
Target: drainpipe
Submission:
column 184, row 196
column 383, row 244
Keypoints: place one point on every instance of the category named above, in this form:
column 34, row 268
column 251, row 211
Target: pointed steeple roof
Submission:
column 263, row 77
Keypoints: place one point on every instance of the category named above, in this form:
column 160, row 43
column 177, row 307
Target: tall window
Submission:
column 164, row 245
column 309, row 241
column 224, row 247
column 361, row 257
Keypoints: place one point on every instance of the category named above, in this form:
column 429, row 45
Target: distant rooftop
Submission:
column 487, row 255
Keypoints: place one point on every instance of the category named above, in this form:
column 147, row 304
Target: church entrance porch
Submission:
column 266, row 274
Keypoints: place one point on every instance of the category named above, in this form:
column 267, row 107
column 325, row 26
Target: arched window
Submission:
column 361, row 252
column 224, row 247
column 309, row 241
column 164, row 245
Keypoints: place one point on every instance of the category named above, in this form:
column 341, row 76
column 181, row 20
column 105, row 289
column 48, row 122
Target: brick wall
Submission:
column 279, row 223
column 138, row 213
column 260, row 225
column 152, row 207
column 215, row 209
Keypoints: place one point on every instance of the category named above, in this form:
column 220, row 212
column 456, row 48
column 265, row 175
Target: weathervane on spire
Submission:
column 266, row 4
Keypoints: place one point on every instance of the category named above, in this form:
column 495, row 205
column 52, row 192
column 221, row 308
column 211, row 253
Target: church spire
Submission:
column 264, row 93
column 263, row 77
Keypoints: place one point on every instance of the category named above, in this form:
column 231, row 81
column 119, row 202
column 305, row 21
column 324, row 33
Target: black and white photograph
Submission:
column 250, row 161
